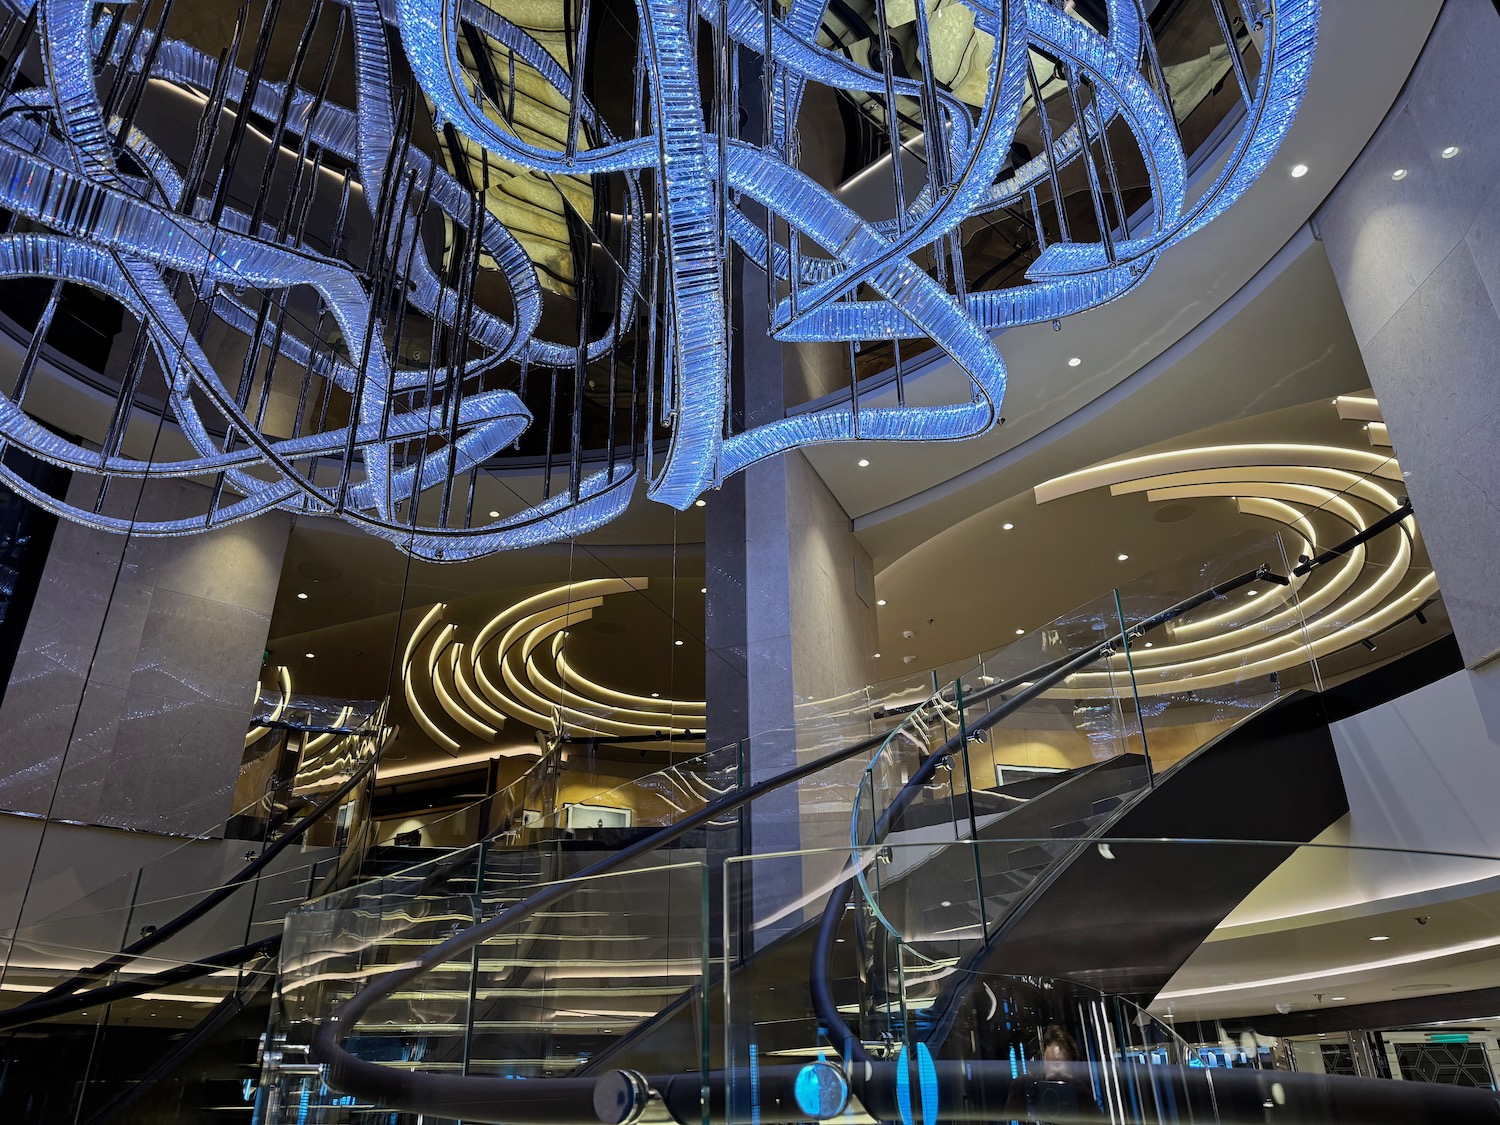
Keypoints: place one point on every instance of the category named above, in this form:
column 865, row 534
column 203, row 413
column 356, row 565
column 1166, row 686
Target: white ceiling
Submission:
column 970, row 583
column 1366, row 50
column 1303, row 937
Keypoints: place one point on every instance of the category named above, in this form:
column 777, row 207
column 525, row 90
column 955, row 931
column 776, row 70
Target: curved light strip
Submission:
column 284, row 687
column 115, row 215
column 1331, row 608
column 517, row 667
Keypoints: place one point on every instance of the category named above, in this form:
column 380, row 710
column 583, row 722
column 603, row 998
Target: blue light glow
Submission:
column 113, row 213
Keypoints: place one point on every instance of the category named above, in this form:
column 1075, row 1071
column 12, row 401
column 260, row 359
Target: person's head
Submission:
column 1058, row 1047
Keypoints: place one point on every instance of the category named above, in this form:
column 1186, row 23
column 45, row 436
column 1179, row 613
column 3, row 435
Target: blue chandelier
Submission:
column 277, row 254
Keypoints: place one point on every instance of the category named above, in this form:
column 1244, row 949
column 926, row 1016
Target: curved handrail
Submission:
column 561, row 1099
column 425, row 1091
column 65, row 997
column 845, row 1041
column 1032, row 685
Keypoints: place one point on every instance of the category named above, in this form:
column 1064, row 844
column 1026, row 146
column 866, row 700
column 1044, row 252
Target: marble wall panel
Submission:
column 1417, row 260
column 136, row 674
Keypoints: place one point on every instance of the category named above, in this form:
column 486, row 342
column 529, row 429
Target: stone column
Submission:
column 1413, row 234
column 790, row 624
column 134, row 683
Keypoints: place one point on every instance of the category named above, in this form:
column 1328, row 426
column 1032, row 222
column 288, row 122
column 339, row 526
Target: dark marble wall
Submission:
column 1418, row 263
column 133, row 686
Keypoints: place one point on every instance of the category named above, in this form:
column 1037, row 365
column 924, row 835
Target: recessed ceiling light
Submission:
column 1399, row 174
column 1007, row 527
column 302, row 597
column 1380, row 937
column 864, row 462
column 309, row 655
column 1148, row 644
column 880, row 601
column 1298, row 171
column 494, row 515
column 656, row 695
column 1020, row 632
column 877, row 656
column 1122, row 557
column 678, row 643
column 1338, row 998
column 1074, row 362
column 1450, row 152
column 1252, row 593
column 945, row 902
column 700, row 503
column 702, row 589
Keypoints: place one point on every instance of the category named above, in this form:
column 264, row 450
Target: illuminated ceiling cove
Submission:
column 462, row 685
column 1348, row 601
column 334, row 319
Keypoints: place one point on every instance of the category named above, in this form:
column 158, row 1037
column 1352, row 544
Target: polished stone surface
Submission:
column 1418, row 264
column 133, row 685
column 1385, row 237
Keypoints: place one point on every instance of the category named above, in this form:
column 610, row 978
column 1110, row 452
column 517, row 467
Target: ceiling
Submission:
column 1054, row 414
column 364, row 599
column 1303, row 939
column 972, row 586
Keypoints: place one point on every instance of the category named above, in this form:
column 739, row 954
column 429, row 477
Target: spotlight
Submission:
column 1298, row 171
column 310, row 655
column 1122, row 557
column 1399, row 174
column 700, row 503
column 1007, row 527
column 679, row 644
column 1450, row 152
column 1020, row 632
column 302, row 597
column 1074, row 362
column 1369, row 644
column 864, row 462
column 880, row 601
column 494, row 515
column 877, row 656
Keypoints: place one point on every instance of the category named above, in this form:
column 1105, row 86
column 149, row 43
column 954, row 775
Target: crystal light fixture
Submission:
column 330, row 312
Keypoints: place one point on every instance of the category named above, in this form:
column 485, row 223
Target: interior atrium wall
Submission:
column 136, row 674
column 1413, row 234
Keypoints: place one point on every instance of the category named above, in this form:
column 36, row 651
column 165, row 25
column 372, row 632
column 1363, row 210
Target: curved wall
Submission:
column 1413, row 235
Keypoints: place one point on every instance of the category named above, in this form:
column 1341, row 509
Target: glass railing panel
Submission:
column 1182, row 956
column 567, row 984
column 1009, row 729
column 1217, row 663
column 1065, row 728
column 76, row 1067
column 131, row 907
column 659, row 798
column 1381, row 600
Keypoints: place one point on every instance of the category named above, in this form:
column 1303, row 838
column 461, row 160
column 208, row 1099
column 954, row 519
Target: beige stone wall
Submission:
column 136, row 675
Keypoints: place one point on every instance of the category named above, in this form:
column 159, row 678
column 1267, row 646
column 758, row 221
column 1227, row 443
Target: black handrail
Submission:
column 397, row 1088
column 566, row 1099
column 65, row 997
column 840, row 1034
column 838, row 1029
